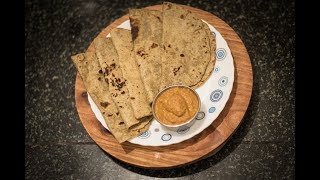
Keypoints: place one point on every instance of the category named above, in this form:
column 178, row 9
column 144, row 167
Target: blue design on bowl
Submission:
column 216, row 95
column 214, row 34
column 217, row 69
column 223, row 81
column 166, row 137
column 183, row 130
column 221, row 54
column 212, row 109
column 200, row 115
column 145, row 135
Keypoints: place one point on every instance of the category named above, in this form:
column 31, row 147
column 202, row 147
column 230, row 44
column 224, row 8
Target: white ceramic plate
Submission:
column 214, row 94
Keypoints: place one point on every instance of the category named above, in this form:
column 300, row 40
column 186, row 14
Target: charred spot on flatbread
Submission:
column 134, row 28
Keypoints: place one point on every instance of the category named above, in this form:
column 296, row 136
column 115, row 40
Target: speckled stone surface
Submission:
column 58, row 147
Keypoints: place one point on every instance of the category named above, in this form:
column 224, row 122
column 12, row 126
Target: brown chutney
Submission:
column 176, row 105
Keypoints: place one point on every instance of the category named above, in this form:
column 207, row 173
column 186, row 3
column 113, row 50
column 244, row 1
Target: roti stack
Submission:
column 122, row 41
column 109, row 62
column 91, row 73
column 147, row 39
column 208, row 71
column 186, row 47
column 125, row 72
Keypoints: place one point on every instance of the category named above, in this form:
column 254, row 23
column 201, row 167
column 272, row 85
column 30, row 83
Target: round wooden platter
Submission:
column 204, row 144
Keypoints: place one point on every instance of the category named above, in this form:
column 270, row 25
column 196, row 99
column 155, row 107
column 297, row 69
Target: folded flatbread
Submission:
column 90, row 71
column 209, row 69
column 109, row 62
column 186, row 47
column 146, row 30
column 122, row 41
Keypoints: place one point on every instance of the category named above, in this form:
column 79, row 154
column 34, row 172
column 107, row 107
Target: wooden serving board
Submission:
column 204, row 144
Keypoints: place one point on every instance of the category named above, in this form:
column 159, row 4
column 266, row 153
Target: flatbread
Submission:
column 186, row 48
column 122, row 41
column 91, row 74
column 146, row 30
column 212, row 61
column 109, row 62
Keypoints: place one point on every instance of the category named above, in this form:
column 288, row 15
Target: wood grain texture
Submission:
column 204, row 144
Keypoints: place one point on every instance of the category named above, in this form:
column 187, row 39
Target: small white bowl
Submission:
column 189, row 123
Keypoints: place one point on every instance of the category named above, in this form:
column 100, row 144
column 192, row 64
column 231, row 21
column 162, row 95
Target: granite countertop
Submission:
column 57, row 145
